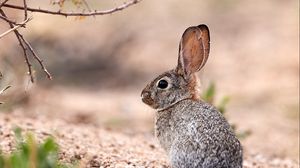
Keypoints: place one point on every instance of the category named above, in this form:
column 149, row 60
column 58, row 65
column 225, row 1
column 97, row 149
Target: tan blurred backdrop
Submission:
column 100, row 65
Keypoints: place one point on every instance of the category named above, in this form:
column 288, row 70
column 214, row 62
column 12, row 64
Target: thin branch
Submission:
column 3, row 3
column 14, row 28
column 40, row 61
column 3, row 90
column 22, row 46
column 25, row 10
column 13, row 22
column 66, row 14
column 9, row 31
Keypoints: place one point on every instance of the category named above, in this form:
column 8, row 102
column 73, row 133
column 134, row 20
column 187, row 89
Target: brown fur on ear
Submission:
column 193, row 50
column 194, row 87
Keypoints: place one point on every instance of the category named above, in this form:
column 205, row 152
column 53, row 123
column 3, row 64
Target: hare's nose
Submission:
column 146, row 97
column 145, row 94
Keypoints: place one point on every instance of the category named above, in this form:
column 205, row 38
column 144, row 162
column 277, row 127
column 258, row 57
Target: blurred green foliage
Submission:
column 30, row 154
column 209, row 96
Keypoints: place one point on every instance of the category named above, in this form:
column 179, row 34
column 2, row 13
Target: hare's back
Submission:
column 199, row 117
column 203, row 134
column 202, row 123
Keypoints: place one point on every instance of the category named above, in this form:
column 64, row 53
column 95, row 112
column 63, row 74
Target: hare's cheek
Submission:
column 168, row 98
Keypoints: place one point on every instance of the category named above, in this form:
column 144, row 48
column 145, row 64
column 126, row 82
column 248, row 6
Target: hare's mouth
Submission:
column 148, row 102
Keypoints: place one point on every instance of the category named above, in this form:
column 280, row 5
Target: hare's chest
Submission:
column 164, row 130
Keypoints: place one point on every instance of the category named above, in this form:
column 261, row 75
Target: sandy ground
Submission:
column 94, row 146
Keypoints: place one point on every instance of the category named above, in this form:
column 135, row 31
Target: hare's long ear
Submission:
column 193, row 50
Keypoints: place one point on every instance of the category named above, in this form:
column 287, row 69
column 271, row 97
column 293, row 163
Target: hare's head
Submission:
column 180, row 83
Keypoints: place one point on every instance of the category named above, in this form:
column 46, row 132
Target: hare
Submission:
column 192, row 132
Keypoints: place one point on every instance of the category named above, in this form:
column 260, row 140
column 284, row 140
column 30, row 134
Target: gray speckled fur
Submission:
column 196, row 135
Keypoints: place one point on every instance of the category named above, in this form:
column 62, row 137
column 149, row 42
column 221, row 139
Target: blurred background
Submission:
column 100, row 65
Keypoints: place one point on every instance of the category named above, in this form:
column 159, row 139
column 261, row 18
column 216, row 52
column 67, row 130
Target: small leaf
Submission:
column 244, row 134
column 2, row 159
column 30, row 153
column 209, row 94
column 18, row 135
column 50, row 145
column 16, row 161
column 222, row 105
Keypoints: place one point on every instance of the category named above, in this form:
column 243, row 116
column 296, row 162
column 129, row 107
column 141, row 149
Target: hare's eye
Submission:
column 162, row 84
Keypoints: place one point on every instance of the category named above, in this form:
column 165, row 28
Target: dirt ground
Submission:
column 94, row 146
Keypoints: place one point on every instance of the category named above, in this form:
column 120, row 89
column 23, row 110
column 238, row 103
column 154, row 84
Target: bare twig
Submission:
column 22, row 46
column 25, row 10
column 66, row 14
column 13, row 22
column 40, row 61
column 3, row 90
column 9, row 31
column 3, row 3
column 14, row 28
